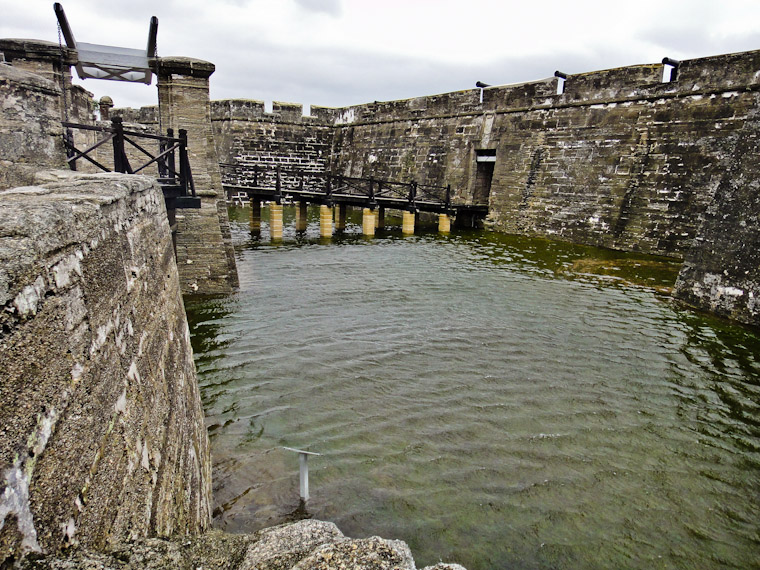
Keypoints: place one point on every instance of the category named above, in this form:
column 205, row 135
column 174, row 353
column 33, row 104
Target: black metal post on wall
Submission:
column 278, row 188
column 183, row 161
column 412, row 195
column 70, row 152
column 170, row 157
column 372, row 202
column 120, row 162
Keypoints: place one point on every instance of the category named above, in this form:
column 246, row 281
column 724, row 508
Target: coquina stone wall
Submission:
column 36, row 95
column 30, row 126
column 284, row 139
column 619, row 158
column 101, row 429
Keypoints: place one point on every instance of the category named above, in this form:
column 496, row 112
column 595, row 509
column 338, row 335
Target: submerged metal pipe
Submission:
column 303, row 471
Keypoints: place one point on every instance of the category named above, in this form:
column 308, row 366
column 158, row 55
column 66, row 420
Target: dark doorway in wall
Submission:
column 485, row 161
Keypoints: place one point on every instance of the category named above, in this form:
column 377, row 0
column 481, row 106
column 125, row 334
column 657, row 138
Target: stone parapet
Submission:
column 40, row 57
column 30, row 125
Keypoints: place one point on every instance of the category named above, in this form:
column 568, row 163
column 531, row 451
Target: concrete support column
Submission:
column 340, row 217
column 368, row 222
column 301, row 213
column 325, row 221
column 205, row 256
column 380, row 218
column 255, row 216
column 444, row 223
column 275, row 221
column 407, row 224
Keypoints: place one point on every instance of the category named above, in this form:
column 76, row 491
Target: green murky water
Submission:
column 497, row 401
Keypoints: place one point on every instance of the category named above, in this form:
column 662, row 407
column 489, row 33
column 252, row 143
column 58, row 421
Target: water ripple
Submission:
column 502, row 402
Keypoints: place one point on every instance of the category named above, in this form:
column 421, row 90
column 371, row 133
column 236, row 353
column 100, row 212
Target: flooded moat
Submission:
column 497, row 401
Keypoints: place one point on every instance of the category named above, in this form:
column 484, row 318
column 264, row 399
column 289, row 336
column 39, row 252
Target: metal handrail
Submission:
column 165, row 159
column 329, row 185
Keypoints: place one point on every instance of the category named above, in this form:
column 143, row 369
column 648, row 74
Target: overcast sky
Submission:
column 342, row 52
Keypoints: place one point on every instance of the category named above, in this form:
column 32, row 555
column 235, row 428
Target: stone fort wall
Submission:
column 102, row 438
column 620, row 158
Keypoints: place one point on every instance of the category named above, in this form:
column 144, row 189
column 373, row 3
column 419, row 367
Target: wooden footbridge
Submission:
column 277, row 186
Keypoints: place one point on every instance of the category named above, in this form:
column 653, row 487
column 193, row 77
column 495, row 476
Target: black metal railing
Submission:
column 282, row 182
column 165, row 160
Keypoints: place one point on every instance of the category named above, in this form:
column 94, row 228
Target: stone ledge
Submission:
column 184, row 66
column 102, row 438
column 28, row 79
column 20, row 48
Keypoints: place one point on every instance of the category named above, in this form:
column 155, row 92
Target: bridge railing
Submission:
column 171, row 158
column 284, row 180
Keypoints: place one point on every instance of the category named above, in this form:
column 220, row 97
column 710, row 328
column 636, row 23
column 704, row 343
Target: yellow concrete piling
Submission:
column 444, row 223
column 275, row 221
column 407, row 223
column 325, row 221
column 368, row 222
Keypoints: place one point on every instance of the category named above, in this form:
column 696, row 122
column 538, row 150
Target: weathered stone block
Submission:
column 101, row 430
column 30, row 125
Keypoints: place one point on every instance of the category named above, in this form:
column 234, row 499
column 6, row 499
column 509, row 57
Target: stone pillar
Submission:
column 407, row 224
column 340, row 217
column 380, row 218
column 368, row 222
column 444, row 223
column 275, row 221
column 325, row 221
column 205, row 256
column 301, row 214
column 255, row 216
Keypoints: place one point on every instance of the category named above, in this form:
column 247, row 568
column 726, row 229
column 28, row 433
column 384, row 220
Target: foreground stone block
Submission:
column 101, row 429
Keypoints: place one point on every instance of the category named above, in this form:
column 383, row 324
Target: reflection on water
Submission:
column 493, row 400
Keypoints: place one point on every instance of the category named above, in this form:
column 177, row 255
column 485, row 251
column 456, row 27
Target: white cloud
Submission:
column 333, row 52
column 331, row 7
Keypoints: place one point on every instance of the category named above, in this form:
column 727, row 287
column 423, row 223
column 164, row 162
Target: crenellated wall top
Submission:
column 713, row 74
